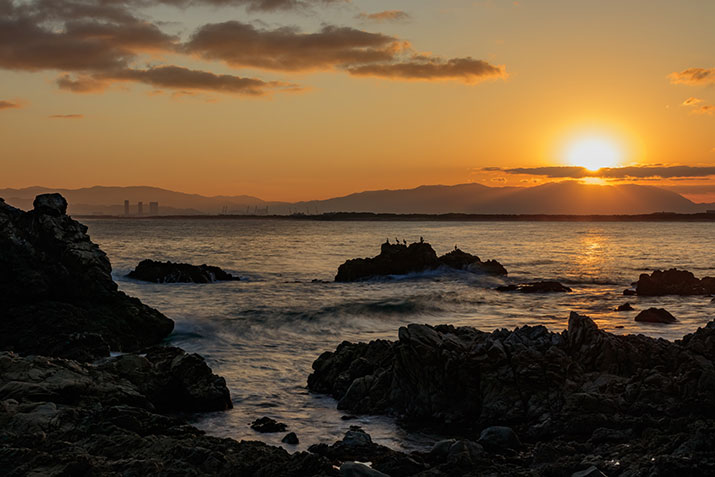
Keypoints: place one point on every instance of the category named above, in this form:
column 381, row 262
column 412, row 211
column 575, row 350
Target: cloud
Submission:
column 253, row 5
column 9, row 105
column 288, row 49
column 358, row 52
column 81, row 83
column 467, row 70
column 631, row 172
column 704, row 109
column 175, row 77
column 95, row 43
column 693, row 76
column 691, row 101
column 66, row 116
column 386, row 16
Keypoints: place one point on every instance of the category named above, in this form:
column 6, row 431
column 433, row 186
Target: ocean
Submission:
column 263, row 333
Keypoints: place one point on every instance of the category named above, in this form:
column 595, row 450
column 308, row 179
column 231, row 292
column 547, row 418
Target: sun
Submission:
column 593, row 153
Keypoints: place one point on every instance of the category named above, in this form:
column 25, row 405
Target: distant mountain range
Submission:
column 569, row 197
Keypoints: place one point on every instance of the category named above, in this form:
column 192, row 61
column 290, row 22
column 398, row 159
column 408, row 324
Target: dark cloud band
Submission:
column 633, row 172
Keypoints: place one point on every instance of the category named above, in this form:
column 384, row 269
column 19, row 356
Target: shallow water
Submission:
column 263, row 332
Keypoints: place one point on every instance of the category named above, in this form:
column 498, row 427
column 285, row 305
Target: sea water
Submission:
column 263, row 333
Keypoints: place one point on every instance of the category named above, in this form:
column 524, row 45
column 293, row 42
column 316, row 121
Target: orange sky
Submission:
column 337, row 97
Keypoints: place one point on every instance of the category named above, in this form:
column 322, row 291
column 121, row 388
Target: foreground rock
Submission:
column 536, row 287
column 170, row 272
column 655, row 315
column 571, row 397
column 60, row 417
column 674, row 282
column 57, row 296
column 398, row 259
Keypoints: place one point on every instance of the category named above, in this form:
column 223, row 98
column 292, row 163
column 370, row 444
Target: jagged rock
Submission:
column 499, row 438
column 170, row 272
column 674, row 282
column 590, row 472
column 398, row 259
column 291, row 439
column 266, row 424
column 536, row 287
column 655, row 315
column 356, row 469
column 625, row 307
column 466, row 261
column 61, row 417
column 173, row 380
column 55, row 283
column 357, row 445
column 533, row 380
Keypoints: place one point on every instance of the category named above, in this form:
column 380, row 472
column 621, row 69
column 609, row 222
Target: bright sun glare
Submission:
column 593, row 153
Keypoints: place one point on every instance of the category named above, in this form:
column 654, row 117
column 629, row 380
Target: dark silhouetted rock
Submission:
column 291, row 439
column 173, row 380
column 398, row 259
column 674, row 282
column 629, row 292
column 536, row 287
column 61, row 417
column 625, row 307
column 56, row 283
column 466, row 261
column 170, row 272
column 590, row 472
column 499, row 438
column 357, row 445
column 537, row 382
column 266, row 424
column 655, row 315
column 356, row 469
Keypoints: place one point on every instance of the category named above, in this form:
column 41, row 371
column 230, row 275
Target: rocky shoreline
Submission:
column 630, row 405
column 522, row 402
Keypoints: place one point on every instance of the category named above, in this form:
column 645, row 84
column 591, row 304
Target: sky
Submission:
column 310, row 99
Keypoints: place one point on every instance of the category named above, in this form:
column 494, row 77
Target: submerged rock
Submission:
column 399, row 259
column 57, row 295
column 674, row 282
column 266, row 424
column 625, row 307
column 655, row 315
column 536, row 287
column 170, row 272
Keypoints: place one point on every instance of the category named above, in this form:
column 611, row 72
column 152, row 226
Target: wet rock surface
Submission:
column 399, row 259
column 536, row 287
column 578, row 398
column 625, row 307
column 170, row 272
column 57, row 294
column 674, row 282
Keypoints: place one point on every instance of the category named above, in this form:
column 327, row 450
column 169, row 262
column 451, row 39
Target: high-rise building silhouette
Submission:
column 153, row 208
column 126, row 207
column 140, row 208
